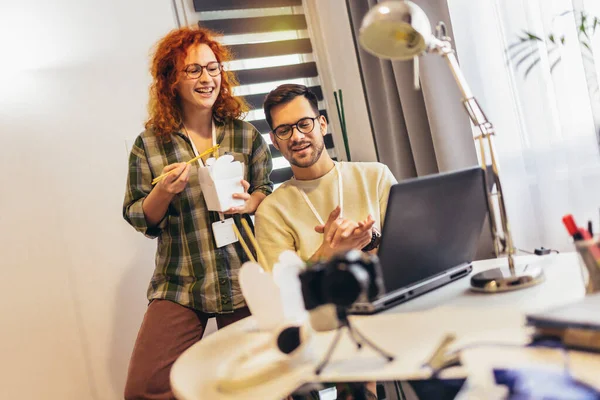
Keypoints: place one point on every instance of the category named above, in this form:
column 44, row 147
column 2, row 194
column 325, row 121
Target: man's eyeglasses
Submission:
column 194, row 71
column 305, row 125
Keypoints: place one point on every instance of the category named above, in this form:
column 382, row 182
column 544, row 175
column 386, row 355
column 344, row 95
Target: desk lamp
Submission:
column 400, row 30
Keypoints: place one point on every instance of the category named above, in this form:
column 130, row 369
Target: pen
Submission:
column 572, row 227
column 582, row 234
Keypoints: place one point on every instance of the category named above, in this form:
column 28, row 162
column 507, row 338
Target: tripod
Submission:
column 356, row 337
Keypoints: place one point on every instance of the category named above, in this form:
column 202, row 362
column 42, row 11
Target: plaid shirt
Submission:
column 190, row 270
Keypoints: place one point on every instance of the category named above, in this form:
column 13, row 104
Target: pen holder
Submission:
column 589, row 260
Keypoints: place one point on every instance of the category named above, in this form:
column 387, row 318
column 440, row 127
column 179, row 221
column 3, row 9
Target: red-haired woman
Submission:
column 191, row 108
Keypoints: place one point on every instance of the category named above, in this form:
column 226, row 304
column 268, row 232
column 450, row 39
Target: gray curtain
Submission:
column 421, row 132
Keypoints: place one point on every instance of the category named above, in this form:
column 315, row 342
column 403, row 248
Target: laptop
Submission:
column 430, row 235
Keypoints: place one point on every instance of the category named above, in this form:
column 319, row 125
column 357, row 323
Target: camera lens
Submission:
column 344, row 286
column 289, row 339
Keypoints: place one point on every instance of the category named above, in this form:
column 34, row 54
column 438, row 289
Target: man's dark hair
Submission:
column 283, row 94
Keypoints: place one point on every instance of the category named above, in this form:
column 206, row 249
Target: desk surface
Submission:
column 411, row 331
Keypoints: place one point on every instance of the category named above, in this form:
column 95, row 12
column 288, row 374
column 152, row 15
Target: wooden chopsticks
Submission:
column 259, row 252
column 243, row 243
column 204, row 153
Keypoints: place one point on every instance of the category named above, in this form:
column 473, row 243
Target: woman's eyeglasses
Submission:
column 194, row 71
column 305, row 125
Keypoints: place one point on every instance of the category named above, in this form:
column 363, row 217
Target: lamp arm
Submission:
column 502, row 242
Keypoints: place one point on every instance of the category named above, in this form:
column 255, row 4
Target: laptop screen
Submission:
column 432, row 224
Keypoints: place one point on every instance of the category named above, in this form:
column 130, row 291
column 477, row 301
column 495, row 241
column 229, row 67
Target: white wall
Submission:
column 73, row 88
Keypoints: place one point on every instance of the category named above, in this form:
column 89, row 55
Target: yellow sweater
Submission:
column 284, row 221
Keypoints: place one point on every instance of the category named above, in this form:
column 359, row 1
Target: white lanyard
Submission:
column 214, row 140
column 340, row 192
column 214, row 143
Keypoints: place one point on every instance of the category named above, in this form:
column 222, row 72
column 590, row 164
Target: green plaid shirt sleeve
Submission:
column 261, row 165
column 139, row 185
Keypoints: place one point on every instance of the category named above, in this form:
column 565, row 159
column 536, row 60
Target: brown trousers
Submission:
column 168, row 329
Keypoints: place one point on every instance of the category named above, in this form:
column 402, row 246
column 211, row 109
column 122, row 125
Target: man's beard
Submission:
column 305, row 163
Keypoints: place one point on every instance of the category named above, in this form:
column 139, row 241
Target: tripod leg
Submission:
column 343, row 318
column 353, row 337
column 371, row 344
column 329, row 352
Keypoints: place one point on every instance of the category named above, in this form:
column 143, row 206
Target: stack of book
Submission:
column 577, row 325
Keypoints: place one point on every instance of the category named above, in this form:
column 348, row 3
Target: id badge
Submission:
column 223, row 232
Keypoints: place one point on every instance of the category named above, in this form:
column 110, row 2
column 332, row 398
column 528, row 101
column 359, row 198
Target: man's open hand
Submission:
column 341, row 234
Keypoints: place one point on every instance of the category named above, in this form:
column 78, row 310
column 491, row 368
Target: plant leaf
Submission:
column 515, row 44
column 554, row 64
column 518, row 52
column 526, row 57
column 533, row 64
column 582, row 27
column 531, row 36
column 552, row 50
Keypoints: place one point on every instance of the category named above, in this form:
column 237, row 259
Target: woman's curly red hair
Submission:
column 164, row 106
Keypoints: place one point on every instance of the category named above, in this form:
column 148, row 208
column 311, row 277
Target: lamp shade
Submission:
column 395, row 30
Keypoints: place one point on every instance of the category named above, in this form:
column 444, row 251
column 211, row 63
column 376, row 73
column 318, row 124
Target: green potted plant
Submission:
column 525, row 51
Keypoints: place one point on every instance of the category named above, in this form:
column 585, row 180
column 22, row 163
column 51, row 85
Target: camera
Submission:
column 345, row 279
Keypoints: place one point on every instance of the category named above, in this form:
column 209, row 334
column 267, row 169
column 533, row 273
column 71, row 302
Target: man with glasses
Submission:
column 327, row 207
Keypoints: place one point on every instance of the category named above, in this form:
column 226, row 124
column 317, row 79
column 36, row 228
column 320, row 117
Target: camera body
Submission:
column 345, row 279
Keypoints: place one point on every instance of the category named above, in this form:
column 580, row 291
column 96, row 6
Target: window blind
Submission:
column 271, row 46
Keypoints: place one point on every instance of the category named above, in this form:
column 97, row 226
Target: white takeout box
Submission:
column 274, row 298
column 219, row 180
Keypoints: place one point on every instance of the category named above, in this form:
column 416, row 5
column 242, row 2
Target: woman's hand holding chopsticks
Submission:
column 213, row 150
column 176, row 179
column 157, row 202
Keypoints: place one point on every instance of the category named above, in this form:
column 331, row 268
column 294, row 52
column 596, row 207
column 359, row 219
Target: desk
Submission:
column 411, row 331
